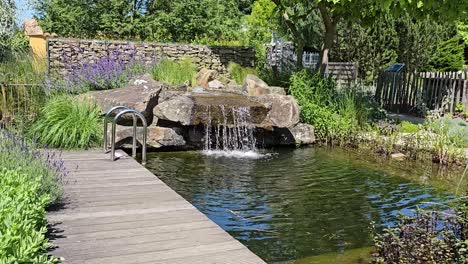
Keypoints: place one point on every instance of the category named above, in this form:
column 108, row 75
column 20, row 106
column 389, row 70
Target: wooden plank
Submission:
column 118, row 212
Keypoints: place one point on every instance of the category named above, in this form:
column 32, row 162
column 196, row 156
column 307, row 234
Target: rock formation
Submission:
column 180, row 117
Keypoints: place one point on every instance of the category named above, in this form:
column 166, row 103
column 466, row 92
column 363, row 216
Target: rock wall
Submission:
column 66, row 54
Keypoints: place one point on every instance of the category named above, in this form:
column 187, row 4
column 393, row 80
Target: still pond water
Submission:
column 307, row 205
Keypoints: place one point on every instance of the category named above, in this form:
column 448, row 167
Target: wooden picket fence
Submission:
column 401, row 92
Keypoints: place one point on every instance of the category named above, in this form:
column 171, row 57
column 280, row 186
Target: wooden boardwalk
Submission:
column 119, row 212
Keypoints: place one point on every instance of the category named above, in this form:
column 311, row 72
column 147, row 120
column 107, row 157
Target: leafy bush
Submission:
column 30, row 180
column 69, row 123
column 175, row 73
column 336, row 115
column 427, row 237
column 449, row 55
column 455, row 130
column 22, row 218
column 238, row 73
column 23, row 155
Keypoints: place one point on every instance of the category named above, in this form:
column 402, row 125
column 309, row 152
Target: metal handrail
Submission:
column 135, row 114
column 106, row 118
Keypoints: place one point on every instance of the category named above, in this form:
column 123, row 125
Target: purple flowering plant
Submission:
column 18, row 153
column 108, row 72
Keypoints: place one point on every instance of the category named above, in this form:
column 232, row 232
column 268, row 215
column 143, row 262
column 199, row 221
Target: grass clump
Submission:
column 68, row 123
column 175, row 73
column 238, row 73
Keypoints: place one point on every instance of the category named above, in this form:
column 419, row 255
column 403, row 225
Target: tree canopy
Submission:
column 156, row 20
column 7, row 24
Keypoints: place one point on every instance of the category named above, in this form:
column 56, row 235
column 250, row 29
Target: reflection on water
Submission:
column 299, row 203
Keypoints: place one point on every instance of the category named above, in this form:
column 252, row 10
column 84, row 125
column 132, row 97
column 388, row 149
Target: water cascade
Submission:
column 230, row 132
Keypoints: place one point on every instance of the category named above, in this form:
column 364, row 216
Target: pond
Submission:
column 306, row 205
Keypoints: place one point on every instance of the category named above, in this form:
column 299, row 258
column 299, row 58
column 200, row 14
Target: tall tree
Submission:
column 7, row 24
column 333, row 11
column 299, row 23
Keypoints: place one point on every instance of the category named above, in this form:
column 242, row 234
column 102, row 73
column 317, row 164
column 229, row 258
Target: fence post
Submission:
column 464, row 88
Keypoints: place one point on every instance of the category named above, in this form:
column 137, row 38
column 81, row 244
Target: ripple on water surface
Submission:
column 296, row 203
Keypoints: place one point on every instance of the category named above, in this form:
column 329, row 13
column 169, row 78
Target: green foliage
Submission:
column 336, row 115
column 69, row 123
column 426, row 237
column 175, row 73
column 373, row 47
column 154, row 20
column 449, row 55
column 7, row 25
column 22, row 68
column 22, row 218
column 20, row 104
column 261, row 22
column 408, row 127
column 454, row 130
column 238, row 73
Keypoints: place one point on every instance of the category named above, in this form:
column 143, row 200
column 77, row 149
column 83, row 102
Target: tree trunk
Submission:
column 329, row 37
column 299, row 54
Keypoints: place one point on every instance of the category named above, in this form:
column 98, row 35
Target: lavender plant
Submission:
column 30, row 180
column 18, row 153
column 111, row 71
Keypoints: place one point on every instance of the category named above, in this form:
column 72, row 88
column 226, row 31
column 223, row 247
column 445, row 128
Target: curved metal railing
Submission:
column 136, row 115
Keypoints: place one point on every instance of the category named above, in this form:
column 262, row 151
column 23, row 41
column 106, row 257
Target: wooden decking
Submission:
column 119, row 212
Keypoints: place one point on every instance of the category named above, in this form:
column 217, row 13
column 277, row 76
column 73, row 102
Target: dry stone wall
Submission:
column 67, row 54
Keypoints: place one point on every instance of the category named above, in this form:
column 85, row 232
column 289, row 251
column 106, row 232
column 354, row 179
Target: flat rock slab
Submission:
column 119, row 212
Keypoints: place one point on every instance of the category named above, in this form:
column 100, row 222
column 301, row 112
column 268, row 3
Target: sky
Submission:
column 24, row 11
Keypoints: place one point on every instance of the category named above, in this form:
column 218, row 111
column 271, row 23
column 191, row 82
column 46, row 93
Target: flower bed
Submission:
column 30, row 180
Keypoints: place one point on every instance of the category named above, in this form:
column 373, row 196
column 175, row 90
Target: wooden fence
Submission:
column 402, row 92
column 345, row 73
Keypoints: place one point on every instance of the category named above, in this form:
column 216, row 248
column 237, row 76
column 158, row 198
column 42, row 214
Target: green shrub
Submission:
column 175, row 73
column 336, row 115
column 30, row 180
column 449, row 55
column 69, row 123
column 22, row 218
column 18, row 153
column 454, row 130
column 426, row 237
column 238, row 73
column 408, row 127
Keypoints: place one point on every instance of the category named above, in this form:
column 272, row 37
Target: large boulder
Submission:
column 214, row 107
column 157, row 138
column 140, row 94
column 204, row 76
column 303, row 134
column 177, row 109
column 255, row 86
column 215, row 84
column 284, row 112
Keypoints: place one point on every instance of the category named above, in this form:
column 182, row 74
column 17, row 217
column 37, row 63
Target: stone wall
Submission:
column 66, row 54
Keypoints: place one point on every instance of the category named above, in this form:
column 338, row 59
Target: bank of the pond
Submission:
column 298, row 204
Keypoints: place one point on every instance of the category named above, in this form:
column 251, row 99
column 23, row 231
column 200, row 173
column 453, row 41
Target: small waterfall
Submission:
column 230, row 132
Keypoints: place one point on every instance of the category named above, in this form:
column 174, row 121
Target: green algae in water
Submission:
column 351, row 256
column 308, row 204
